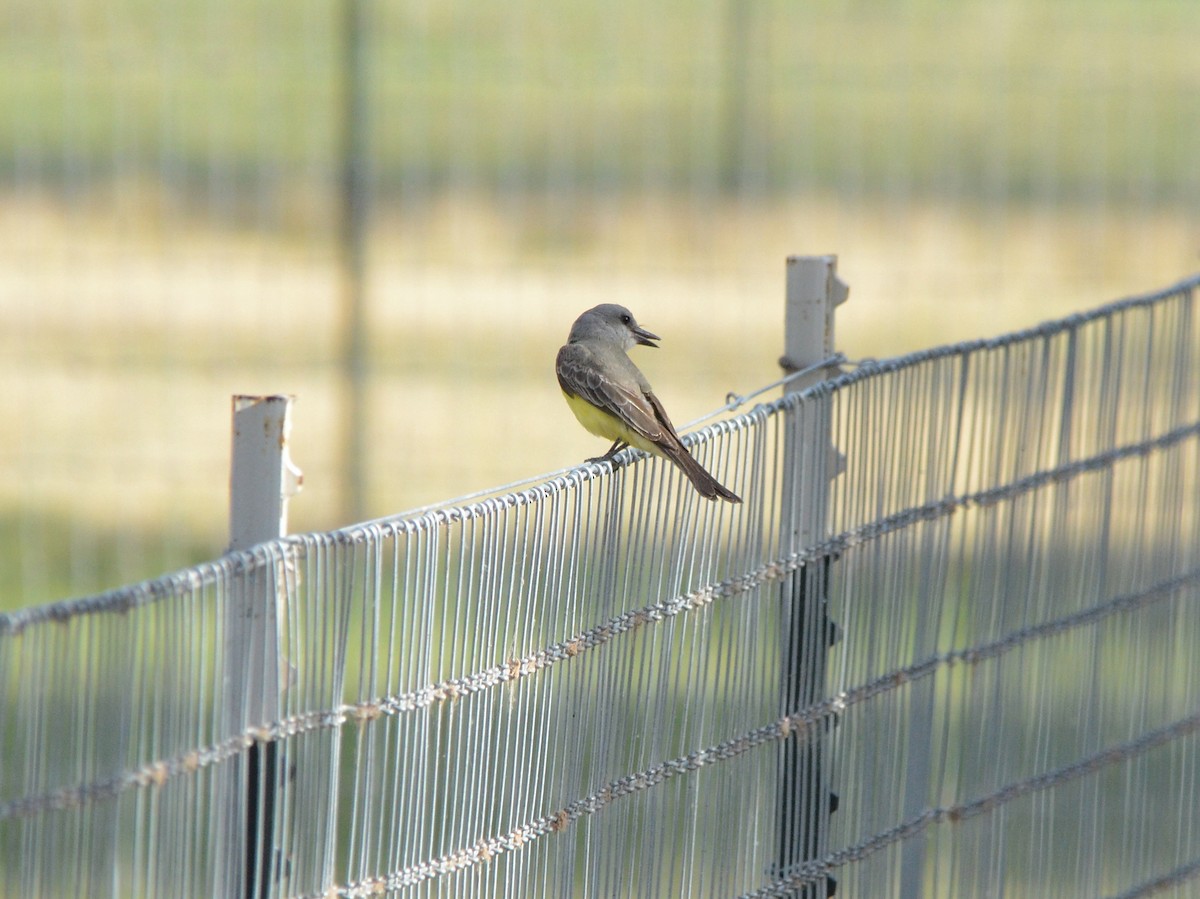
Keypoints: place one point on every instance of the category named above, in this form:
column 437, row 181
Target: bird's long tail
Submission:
column 708, row 486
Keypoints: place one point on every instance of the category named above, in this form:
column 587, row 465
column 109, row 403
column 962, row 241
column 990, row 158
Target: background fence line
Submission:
column 575, row 689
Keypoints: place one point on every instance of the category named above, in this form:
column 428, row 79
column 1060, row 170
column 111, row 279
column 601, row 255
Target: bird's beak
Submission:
column 645, row 338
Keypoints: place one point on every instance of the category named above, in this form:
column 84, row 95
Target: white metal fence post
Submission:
column 262, row 478
column 805, row 801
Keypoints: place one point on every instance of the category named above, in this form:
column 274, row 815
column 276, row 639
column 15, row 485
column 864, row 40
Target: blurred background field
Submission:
column 173, row 224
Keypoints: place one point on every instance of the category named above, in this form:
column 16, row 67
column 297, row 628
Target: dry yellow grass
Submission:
column 121, row 346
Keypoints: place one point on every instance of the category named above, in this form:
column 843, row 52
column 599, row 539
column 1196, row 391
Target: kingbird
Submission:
column 612, row 398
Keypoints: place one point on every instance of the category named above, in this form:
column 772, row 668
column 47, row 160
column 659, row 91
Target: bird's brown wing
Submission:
column 670, row 435
column 579, row 375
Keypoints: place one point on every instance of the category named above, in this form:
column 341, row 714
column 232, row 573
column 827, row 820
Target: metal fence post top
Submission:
column 262, row 474
column 241, row 400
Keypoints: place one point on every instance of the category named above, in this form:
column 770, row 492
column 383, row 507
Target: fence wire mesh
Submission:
column 575, row 690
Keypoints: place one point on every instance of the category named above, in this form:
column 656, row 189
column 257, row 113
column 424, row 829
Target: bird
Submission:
column 612, row 398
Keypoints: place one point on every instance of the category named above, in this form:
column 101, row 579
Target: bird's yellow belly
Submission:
column 605, row 425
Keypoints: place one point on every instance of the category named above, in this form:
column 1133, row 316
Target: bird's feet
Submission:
column 608, row 457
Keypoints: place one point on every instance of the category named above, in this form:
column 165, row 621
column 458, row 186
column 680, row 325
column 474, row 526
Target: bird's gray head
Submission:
column 610, row 322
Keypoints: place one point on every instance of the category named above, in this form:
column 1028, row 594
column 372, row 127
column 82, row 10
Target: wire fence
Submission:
column 582, row 688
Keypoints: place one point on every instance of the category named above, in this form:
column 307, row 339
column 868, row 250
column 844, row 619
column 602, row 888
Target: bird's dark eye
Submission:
column 626, row 319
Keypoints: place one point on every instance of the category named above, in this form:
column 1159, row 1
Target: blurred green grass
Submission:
column 47, row 555
column 975, row 99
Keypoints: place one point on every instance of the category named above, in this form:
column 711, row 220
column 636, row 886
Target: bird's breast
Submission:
column 605, row 424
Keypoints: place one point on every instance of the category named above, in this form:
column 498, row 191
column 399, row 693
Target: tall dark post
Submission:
column 735, row 96
column 354, row 201
column 262, row 867
column 804, row 800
